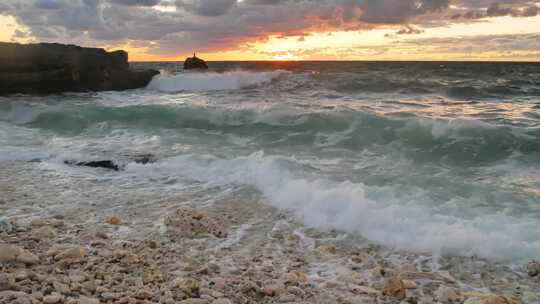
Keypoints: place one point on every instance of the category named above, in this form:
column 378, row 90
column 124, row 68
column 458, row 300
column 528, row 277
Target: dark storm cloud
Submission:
column 219, row 24
column 136, row 2
column 210, row 8
column 482, row 9
column 4, row 8
column 396, row 11
column 48, row 4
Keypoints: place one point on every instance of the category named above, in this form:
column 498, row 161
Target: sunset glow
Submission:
column 427, row 36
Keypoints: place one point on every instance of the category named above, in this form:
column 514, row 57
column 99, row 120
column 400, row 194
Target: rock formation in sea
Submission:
column 193, row 63
column 53, row 68
column 113, row 165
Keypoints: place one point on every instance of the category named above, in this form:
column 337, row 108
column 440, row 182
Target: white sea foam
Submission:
column 201, row 82
column 383, row 215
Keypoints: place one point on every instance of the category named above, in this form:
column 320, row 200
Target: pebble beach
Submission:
column 226, row 252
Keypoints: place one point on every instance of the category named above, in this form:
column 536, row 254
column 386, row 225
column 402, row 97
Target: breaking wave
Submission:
column 385, row 215
column 459, row 141
column 202, row 82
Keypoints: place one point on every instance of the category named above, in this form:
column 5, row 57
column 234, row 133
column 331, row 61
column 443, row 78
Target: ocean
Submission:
column 435, row 158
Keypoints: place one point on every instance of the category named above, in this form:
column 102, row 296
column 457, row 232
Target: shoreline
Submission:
column 122, row 251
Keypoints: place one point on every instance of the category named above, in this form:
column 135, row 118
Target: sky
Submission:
column 152, row 30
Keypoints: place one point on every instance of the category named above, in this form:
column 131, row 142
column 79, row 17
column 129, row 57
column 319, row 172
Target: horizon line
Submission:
column 353, row 60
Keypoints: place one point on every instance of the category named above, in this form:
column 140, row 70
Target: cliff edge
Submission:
column 54, row 68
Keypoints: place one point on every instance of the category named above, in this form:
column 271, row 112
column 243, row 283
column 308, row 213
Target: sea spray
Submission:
column 385, row 215
column 211, row 81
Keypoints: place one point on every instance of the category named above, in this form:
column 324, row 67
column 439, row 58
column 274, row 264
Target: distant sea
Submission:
column 433, row 157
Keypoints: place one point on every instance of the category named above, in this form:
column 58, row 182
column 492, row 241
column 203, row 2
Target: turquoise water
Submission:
column 438, row 157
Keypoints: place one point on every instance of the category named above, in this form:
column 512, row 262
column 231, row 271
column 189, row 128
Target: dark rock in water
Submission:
column 144, row 159
column 54, row 68
column 112, row 165
column 105, row 164
column 195, row 62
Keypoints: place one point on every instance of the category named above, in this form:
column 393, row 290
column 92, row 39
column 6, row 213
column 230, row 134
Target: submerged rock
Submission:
column 193, row 63
column 54, row 68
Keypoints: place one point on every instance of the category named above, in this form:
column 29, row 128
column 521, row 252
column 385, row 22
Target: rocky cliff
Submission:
column 53, row 68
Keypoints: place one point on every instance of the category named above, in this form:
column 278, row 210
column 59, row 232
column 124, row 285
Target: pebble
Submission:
column 38, row 223
column 447, row 295
column 296, row 277
column 194, row 301
column 53, row 299
column 358, row 279
column 44, row 232
column 11, row 253
column 395, row 288
column 14, row 297
column 67, row 251
column 143, row 294
column 110, row 296
column 57, row 223
column 479, row 298
column 61, row 288
column 153, row 244
column 7, row 281
column 113, row 220
column 20, row 276
column 357, row 289
column 296, row 291
column 100, row 233
column 37, row 295
column 85, row 300
column 222, row 301
column 533, row 268
column 26, row 257
column 194, row 222
column 77, row 278
column 89, row 286
column 409, row 284
column 327, row 250
column 285, row 298
column 271, row 291
column 5, row 226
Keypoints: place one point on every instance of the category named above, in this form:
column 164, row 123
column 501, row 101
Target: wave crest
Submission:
column 385, row 215
column 202, row 82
